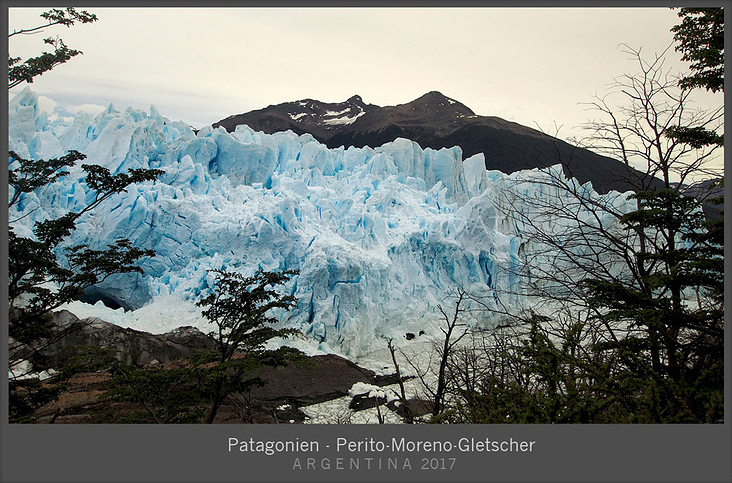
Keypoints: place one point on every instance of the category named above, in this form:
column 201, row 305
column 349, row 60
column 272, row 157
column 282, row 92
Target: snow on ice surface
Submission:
column 379, row 235
column 337, row 113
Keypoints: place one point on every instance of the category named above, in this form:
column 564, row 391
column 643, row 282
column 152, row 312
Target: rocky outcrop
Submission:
column 320, row 379
column 131, row 346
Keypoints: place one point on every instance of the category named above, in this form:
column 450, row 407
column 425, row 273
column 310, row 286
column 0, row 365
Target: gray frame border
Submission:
column 81, row 453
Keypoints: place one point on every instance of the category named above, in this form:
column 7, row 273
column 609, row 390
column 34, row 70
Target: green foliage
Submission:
column 105, row 185
column 36, row 66
column 650, row 346
column 33, row 262
column 90, row 267
column 700, row 37
column 31, row 175
column 696, row 137
column 706, row 264
column 701, row 40
column 170, row 395
column 39, row 279
column 239, row 308
column 27, row 395
column 67, row 17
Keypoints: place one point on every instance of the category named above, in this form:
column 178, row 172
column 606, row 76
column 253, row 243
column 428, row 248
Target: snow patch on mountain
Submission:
column 344, row 119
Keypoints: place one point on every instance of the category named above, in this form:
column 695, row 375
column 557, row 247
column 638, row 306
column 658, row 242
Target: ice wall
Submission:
column 380, row 235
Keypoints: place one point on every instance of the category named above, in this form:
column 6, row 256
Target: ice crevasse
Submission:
column 380, row 236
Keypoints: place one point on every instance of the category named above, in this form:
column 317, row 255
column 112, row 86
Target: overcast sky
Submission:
column 534, row 66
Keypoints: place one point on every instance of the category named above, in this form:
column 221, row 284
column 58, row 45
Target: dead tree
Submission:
column 408, row 418
column 452, row 322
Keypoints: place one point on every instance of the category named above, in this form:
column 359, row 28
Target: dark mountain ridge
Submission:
column 437, row 121
column 320, row 119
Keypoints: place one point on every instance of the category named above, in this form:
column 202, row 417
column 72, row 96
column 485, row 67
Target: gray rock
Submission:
column 130, row 346
column 363, row 401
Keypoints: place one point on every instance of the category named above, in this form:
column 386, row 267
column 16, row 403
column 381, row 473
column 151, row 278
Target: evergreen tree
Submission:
column 637, row 323
column 673, row 313
column 700, row 37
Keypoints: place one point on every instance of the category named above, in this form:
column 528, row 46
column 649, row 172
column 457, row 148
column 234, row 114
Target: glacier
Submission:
column 380, row 235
